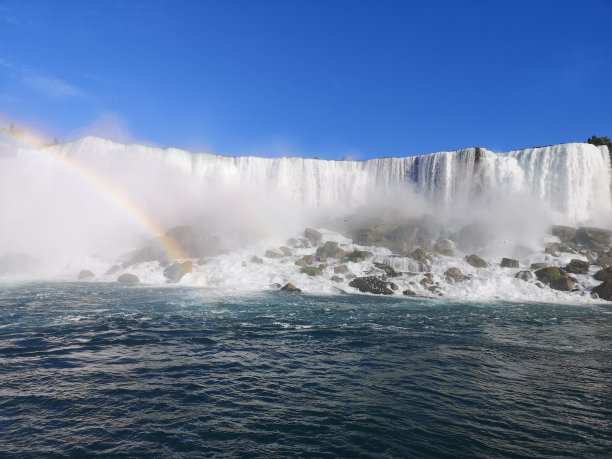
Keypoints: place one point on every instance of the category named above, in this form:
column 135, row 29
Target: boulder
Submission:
column 273, row 254
column 85, row 274
column 306, row 260
column 351, row 276
column 408, row 292
column 565, row 233
column 371, row 284
column 604, row 274
column 475, row 261
column 509, row 263
column 420, row 255
column 289, row 287
column 550, row 274
column 128, row 279
column 337, row 279
column 389, row 271
column 593, row 238
column 604, row 291
column 312, row 271
column 254, row 259
column 175, row 272
column 444, row 247
column 331, row 250
column 524, row 275
column 563, row 284
column 357, row 256
column 538, row 265
column 285, row 250
column 342, row 269
column 576, row 266
column 393, row 286
column 313, row 236
column 454, row 274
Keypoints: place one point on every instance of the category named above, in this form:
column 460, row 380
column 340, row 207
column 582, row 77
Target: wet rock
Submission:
column 604, row 291
column 337, row 279
column 254, row 259
column 444, row 247
column 342, row 269
column 112, row 270
column 286, row 251
column 128, row 279
column 371, row 284
column 594, row 296
column 563, row 284
column 576, row 266
column 593, row 238
column 273, row 254
column 526, row 276
column 289, row 287
column 566, row 234
column 454, row 274
column 313, row 236
column 312, row 271
column 604, row 274
column 357, row 256
column 509, row 263
column 393, row 286
column 550, row 274
column 306, row 260
column 389, row 271
column 538, row 265
column 175, row 272
column 408, row 292
column 552, row 250
column 475, row 261
column 85, row 274
column 331, row 250
column 420, row 255
column 351, row 276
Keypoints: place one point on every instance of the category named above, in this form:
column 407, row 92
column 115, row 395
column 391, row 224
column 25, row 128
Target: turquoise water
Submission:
column 103, row 370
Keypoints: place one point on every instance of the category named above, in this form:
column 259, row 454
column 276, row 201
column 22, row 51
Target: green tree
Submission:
column 598, row 140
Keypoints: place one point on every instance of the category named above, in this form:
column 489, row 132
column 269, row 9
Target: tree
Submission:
column 594, row 140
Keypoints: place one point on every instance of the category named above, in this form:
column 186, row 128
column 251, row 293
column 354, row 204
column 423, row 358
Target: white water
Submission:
column 64, row 214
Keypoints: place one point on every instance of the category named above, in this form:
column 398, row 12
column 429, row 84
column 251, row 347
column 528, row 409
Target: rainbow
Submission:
column 29, row 138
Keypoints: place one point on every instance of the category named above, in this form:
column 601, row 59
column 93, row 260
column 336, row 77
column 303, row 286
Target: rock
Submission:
column 475, row 261
column 563, row 284
column 421, row 255
column 473, row 236
column 604, row 291
column 565, row 233
column 389, row 271
column 313, row 236
column 85, row 274
column 175, row 272
column 289, row 287
column 128, row 279
column 371, row 284
column 306, row 260
column 331, row 250
column 593, row 238
column 393, row 286
column 112, row 270
column 337, row 279
column 342, row 269
column 273, row 254
column 285, row 250
column 524, row 275
column 576, row 266
column 538, row 265
column 552, row 249
column 604, row 274
column 509, row 263
column 454, row 274
column 357, row 256
column 426, row 281
column 312, row 271
column 305, row 243
column 594, row 296
column 351, row 276
column 293, row 242
column 408, row 292
column 429, row 276
column 444, row 247
column 254, row 259
column 550, row 274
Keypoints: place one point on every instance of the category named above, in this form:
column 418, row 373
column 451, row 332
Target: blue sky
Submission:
column 313, row 78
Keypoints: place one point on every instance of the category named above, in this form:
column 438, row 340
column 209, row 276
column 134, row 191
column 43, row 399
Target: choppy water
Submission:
column 104, row 370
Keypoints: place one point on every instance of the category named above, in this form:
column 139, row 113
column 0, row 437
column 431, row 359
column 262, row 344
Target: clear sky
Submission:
column 327, row 78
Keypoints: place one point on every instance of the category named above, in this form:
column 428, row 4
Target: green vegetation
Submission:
column 599, row 140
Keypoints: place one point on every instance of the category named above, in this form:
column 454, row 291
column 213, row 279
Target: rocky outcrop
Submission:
column 604, row 291
column 389, row 271
column 85, row 274
column 526, row 276
column 550, row 274
column 331, row 249
column 563, row 284
column 313, row 236
column 420, row 255
column 509, row 263
column 401, row 237
column 538, row 265
column 444, row 247
column 286, row 251
column 371, row 284
column 604, row 275
column 475, row 261
column 566, row 234
column 597, row 239
column 128, row 279
column 306, row 260
column 408, row 292
column 454, row 274
column 576, row 266
column 175, row 272
column 357, row 256
column 289, row 287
